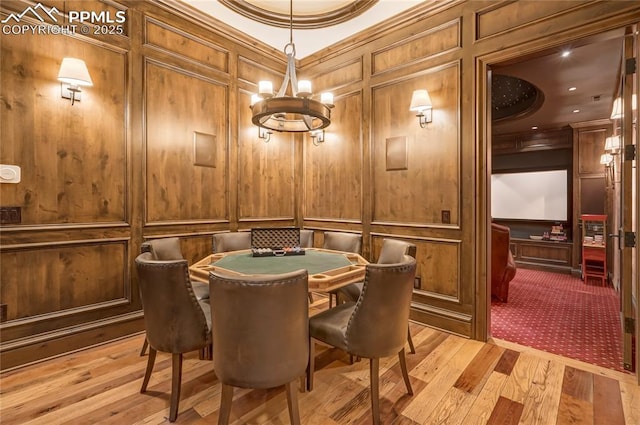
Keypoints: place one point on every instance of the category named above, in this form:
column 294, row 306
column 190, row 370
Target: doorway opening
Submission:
column 550, row 119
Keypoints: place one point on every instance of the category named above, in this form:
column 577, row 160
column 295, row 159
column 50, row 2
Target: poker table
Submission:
column 328, row 270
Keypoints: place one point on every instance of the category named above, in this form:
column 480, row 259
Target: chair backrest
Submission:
column 500, row 240
column 306, row 238
column 163, row 249
column 175, row 322
column 260, row 328
column 231, row 241
column 378, row 325
column 342, row 241
column 394, row 250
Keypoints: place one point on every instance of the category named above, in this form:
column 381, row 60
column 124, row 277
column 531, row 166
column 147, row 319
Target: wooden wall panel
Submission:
column 265, row 179
column 590, row 147
column 53, row 280
column 180, row 43
column 252, row 72
column 73, row 165
column 338, row 76
column 438, row 269
column 177, row 104
column 430, row 43
column 431, row 181
column 510, row 15
column 333, row 170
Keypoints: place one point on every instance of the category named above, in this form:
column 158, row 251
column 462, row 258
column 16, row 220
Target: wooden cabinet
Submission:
column 594, row 249
column 549, row 255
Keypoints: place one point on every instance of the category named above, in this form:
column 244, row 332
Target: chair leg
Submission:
column 310, row 298
column 176, row 377
column 412, row 349
column 405, row 375
column 225, row 404
column 144, row 346
column 292, row 401
column 374, row 366
column 147, row 374
column 206, row 352
column 331, row 299
column 311, row 365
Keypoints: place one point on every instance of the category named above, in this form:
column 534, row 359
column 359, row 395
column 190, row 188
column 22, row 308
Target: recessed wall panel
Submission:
column 430, row 182
column 178, row 186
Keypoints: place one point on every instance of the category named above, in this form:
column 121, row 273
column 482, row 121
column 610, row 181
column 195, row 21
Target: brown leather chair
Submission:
column 175, row 320
column 341, row 241
column 503, row 267
column 231, row 241
column 167, row 249
column 392, row 251
column 260, row 334
column 306, row 238
column 374, row 327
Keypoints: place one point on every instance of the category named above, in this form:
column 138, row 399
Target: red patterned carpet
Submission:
column 560, row 314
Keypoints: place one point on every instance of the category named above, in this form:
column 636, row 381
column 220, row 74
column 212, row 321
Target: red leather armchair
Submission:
column 503, row 267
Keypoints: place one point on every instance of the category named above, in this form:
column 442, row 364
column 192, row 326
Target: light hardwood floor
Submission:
column 455, row 381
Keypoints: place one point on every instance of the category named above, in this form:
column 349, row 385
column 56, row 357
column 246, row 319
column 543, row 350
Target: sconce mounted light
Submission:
column 421, row 103
column 612, row 145
column 616, row 110
column 73, row 74
column 264, row 134
column 317, row 137
column 606, row 159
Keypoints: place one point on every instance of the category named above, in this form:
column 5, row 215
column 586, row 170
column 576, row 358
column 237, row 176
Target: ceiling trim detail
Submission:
column 349, row 10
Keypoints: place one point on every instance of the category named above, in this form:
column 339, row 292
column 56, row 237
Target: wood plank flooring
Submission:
column 455, row 381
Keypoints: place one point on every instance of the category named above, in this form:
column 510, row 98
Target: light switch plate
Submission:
column 9, row 173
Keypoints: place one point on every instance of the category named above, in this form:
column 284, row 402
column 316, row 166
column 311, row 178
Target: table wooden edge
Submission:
column 318, row 282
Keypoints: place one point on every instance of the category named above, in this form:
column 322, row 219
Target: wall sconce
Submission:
column 73, row 74
column 421, row 103
column 612, row 145
column 616, row 111
column 317, row 137
column 606, row 159
column 264, row 134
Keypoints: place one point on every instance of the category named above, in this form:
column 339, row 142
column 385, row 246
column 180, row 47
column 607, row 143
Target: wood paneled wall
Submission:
column 163, row 145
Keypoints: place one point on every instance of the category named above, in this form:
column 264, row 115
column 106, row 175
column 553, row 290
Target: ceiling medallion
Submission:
column 293, row 114
column 323, row 14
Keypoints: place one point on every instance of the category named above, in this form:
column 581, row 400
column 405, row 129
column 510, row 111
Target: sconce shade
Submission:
column 612, row 144
column 74, row 71
column 606, row 159
column 420, row 101
column 616, row 111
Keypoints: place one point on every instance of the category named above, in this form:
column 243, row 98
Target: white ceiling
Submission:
column 307, row 41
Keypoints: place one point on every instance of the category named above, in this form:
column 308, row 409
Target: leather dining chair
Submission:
column 231, row 241
column 306, row 238
column 341, row 241
column 373, row 327
column 392, row 251
column 175, row 320
column 167, row 249
column 260, row 334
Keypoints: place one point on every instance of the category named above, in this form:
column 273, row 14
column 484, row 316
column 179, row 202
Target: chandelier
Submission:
column 293, row 114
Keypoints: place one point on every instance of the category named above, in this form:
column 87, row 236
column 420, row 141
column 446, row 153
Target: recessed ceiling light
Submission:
column 566, row 53
column 572, row 88
column 575, row 111
column 535, row 127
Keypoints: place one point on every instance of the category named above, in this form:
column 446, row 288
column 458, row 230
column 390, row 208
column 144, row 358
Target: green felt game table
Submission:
column 328, row 270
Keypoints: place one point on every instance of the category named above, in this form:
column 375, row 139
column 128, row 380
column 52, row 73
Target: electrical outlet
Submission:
column 3, row 313
column 446, row 216
column 10, row 215
column 417, row 282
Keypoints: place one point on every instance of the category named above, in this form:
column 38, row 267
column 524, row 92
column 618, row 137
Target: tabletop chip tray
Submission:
column 276, row 242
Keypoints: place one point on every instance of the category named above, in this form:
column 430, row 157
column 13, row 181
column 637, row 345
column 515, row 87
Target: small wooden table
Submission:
column 328, row 270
